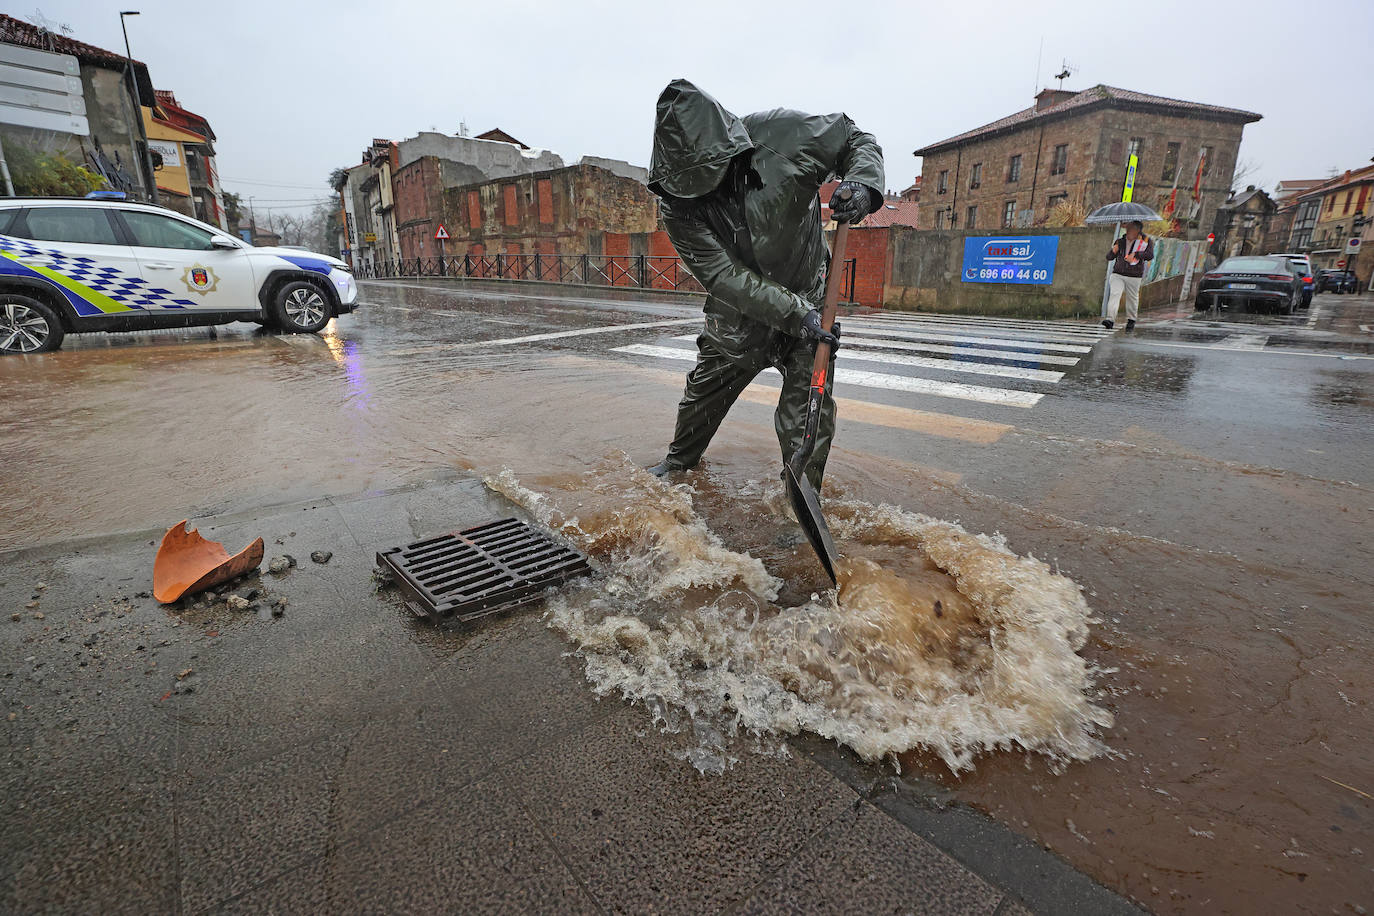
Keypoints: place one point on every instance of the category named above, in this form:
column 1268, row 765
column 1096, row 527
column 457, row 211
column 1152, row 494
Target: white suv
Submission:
column 68, row 266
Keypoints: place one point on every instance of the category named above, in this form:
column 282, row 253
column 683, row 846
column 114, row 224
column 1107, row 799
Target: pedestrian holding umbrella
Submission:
column 1117, row 213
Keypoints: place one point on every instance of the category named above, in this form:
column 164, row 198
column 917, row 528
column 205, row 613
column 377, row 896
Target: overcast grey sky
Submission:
column 297, row 87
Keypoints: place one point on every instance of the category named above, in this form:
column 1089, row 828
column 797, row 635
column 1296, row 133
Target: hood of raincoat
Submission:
column 695, row 138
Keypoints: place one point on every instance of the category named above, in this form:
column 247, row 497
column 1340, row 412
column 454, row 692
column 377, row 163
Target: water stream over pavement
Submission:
column 1232, row 638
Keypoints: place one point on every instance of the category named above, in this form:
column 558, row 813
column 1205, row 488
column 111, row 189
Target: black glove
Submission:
column 812, row 330
column 859, row 204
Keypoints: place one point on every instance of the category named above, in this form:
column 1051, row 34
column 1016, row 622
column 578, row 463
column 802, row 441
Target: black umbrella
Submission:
column 1121, row 212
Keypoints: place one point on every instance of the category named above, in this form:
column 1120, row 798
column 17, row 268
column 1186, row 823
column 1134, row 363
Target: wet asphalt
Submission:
column 1205, row 478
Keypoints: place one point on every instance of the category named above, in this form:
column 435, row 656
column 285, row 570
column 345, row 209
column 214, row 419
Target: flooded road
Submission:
column 1153, row 638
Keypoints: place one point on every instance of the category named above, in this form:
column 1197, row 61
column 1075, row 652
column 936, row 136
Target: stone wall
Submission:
column 924, row 267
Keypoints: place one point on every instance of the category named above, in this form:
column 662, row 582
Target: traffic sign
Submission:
column 1129, row 189
column 1341, row 263
column 1211, row 237
column 1352, row 246
column 441, row 234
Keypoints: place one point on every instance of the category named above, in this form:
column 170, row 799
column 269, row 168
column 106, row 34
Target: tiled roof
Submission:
column 26, row 34
column 1097, row 96
column 17, row 32
column 892, row 213
column 182, row 117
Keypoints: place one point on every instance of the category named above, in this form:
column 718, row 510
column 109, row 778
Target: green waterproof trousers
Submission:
column 716, row 382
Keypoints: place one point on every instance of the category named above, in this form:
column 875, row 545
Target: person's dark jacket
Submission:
column 756, row 245
column 1138, row 268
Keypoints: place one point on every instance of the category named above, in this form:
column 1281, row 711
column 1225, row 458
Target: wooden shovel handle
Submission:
column 821, row 367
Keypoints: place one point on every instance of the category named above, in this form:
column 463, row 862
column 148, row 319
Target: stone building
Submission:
column 568, row 211
column 1074, row 147
column 1241, row 225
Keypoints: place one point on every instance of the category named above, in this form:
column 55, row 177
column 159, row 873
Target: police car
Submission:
column 68, row 266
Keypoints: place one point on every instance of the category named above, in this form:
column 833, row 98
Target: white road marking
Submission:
column 982, row 323
column 1267, row 351
column 946, row 365
column 1016, row 356
column 1242, row 342
column 1001, row 396
column 581, row 332
column 848, row 328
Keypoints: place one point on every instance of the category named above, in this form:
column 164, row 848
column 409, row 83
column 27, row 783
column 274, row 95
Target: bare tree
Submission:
column 308, row 230
column 1244, row 169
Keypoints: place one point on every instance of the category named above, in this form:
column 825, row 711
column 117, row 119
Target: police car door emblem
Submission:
column 199, row 279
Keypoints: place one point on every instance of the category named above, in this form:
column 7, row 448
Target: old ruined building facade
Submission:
column 1074, row 147
column 577, row 210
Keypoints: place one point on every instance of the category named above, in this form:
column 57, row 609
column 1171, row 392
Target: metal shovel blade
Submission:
column 806, row 506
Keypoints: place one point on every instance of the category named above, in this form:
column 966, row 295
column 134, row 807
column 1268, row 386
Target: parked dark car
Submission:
column 1303, row 265
column 1336, row 281
column 1270, row 281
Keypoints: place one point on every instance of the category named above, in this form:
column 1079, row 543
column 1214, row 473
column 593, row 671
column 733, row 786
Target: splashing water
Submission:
column 935, row 639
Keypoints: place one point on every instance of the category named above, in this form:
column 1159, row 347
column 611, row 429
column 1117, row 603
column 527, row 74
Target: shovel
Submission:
column 806, row 504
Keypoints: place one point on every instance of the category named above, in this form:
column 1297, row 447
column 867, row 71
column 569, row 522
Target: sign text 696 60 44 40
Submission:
column 1029, row 259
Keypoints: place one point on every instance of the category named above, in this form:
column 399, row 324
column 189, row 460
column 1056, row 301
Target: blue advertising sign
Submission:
column 1029, row 259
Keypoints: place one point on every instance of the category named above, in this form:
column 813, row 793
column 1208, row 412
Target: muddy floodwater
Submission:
column 1133, row 624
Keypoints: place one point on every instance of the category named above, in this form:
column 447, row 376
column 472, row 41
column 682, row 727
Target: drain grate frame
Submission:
column 481, row 571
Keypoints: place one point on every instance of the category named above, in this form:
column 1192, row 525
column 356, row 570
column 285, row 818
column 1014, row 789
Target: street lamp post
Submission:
column 138, row 94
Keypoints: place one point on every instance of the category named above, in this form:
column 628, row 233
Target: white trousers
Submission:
column 1130, row 286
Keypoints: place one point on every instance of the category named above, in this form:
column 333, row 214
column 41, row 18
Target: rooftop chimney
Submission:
column 1048, row 98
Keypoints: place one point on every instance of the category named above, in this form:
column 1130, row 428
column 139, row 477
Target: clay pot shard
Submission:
column 186, row 563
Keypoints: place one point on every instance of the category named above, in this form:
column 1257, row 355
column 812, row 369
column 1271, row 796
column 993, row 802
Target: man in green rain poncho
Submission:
column 741, row 205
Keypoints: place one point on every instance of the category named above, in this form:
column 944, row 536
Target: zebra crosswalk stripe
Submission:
column 844, row 376
column 945, row 365
column 981, row 323
column 968, row 352
column 989, row 340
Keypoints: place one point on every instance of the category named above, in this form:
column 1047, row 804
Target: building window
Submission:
column 1061, row 159
column 975, row 177
column 1008, row 214
column 1348, row 195
column 512, row 207
column 1056, row 200
column 1137, row 144
column 1330, row 203
column 1114, row 153
column 1206, row 161
column 971, row 218
column 942, row 184
column 1014, row 169
column 1170, row 162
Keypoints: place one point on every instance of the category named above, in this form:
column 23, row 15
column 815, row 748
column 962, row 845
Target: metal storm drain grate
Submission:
column 482, row 571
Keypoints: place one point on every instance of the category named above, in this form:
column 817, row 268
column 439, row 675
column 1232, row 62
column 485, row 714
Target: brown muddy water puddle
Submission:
column 947, row 656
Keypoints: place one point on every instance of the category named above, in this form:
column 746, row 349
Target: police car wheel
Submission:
column 300, row 308
column 28, row 326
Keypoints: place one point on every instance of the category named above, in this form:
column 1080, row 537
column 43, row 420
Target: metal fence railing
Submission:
column 629, row 271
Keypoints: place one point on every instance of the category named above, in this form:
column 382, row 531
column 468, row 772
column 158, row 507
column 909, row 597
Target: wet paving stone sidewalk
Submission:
column 344, row 757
